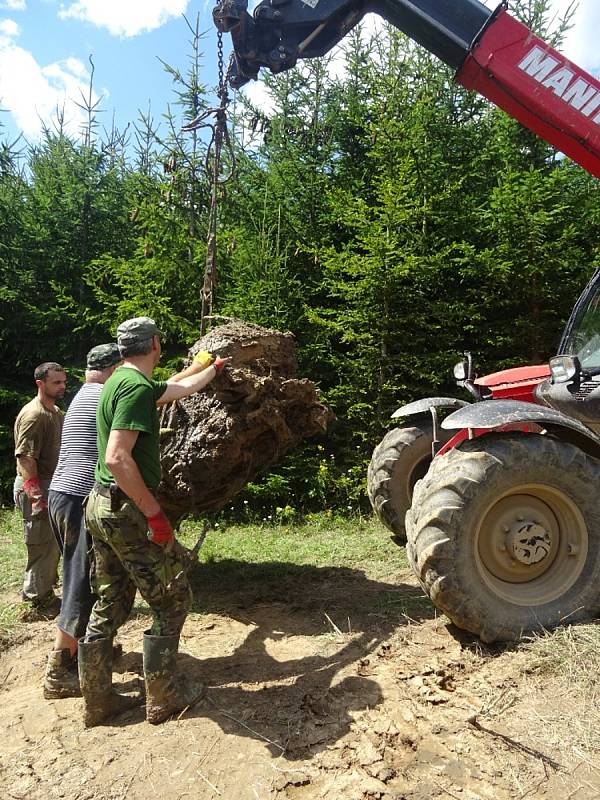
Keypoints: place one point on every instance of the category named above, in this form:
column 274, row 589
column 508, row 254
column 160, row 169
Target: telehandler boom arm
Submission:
column 491, row 51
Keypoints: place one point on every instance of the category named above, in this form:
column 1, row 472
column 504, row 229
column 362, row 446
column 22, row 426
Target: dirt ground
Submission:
column 323, row 683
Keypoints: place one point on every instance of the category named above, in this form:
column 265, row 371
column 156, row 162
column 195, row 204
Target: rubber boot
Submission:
column 62, row 674
column 62, row 678
column 95, row 678
column 166, row 693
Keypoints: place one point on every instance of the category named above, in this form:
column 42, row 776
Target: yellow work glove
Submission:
column 204, row 358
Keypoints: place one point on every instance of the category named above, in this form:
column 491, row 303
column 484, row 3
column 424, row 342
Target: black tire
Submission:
column 401, row 459
column 504, row 535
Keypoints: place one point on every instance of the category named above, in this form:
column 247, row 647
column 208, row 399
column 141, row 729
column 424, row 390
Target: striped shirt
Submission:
column 74, row 472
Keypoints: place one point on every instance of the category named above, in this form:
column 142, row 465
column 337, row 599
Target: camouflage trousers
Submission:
column 125, row 560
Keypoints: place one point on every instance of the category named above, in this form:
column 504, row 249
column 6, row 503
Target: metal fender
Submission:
column 423, row 406
column 498, row 413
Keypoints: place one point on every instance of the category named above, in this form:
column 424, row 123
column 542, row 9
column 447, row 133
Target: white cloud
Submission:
column 33, row 94
column 581, row 44
column 125, row 17
column 13, row 5
column 8, row 29
column 259, row 96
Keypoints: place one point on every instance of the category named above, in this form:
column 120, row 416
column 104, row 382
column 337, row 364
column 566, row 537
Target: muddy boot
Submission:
column 95, row 678
column 166, row 694
column 48, row 607
column 62, row 678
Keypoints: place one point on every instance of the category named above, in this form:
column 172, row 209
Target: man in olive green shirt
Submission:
column 37, row 444
column 133, row 539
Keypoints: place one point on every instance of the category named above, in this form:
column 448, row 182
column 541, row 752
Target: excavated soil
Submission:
column 245, row 421
column 315, row 690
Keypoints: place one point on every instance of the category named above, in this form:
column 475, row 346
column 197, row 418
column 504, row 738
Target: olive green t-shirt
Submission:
column 128, row 403
column 37, row 435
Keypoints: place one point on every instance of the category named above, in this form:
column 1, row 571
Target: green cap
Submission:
column 103, row 356
column 136, row 330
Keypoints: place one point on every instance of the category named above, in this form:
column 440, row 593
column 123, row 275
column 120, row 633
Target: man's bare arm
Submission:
column 119, row 460
column 192, row 383
column 194, row 369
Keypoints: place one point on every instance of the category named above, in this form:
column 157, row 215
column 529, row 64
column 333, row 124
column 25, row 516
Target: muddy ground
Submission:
column 323, row 683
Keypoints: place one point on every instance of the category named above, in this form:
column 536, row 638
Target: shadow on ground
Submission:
column 293, row 681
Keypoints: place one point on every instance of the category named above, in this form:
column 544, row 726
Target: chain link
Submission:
column 222, row 84
column 213, row 165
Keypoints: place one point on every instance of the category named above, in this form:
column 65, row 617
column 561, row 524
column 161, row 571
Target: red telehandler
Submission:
column 497, row 498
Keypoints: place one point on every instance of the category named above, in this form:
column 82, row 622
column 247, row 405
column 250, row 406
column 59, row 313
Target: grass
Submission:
column 570, row 656
column 12, row 562
column 233, row 554
column 321, row 541
column 12, row 550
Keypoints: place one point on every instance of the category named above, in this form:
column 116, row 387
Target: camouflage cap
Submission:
column 136, row 330
column 103, row 356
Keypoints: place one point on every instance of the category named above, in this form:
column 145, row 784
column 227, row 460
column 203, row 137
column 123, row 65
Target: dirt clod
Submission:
column 214, row 442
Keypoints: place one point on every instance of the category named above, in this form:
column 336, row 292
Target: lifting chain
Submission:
column 217, row 178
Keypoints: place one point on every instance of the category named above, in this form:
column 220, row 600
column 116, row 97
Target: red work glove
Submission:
column 160, row 528
column 219, row 363
column 33, row 489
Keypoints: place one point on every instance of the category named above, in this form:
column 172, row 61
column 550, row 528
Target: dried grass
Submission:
column 570, row 658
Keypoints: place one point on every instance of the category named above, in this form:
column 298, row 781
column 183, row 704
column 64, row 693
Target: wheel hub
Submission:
column 519, row 538
column 529, row 542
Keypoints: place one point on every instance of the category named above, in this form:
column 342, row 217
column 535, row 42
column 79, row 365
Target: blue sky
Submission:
column 45, row 44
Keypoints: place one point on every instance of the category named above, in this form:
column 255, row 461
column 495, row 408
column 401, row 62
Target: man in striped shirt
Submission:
column 71, row 483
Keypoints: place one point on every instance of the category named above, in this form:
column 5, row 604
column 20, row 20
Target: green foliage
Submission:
column 306, row 482
column 385, row 216
column 11, row 401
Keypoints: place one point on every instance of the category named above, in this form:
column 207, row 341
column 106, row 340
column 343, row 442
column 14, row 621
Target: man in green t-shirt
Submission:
column 133, row 539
